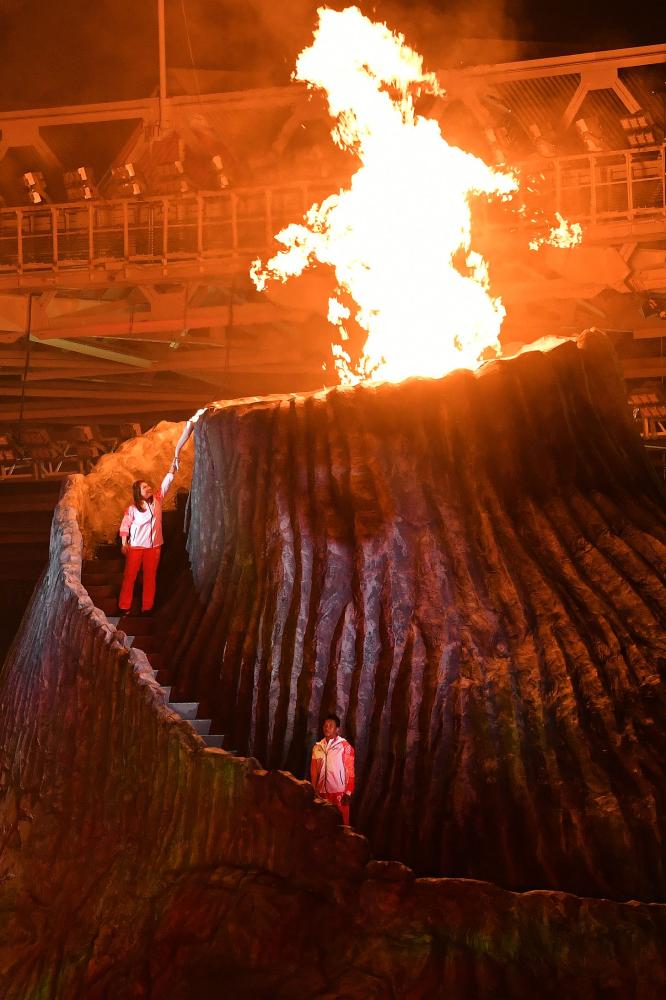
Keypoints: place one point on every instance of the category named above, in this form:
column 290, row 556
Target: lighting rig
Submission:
column 35, row 184
column 498, row 140
column 80, row 184
column 591, row 132
column 126, row 182
column 220, row 172
column 170, row 178
column 641, row 129
column 43, row 453
column 544, row 142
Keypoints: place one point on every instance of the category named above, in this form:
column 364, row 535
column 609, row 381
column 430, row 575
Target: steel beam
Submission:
column 248, row 314
column 95, row 352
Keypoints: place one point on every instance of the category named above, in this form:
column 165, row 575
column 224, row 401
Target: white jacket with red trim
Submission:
column 143, row 528
column 333, row 766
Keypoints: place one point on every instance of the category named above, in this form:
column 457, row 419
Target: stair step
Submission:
column 102, row 580
column 167, row 691
column 114, row 565
column 214, row 741
column 185, row 709
column 108, row 551
column 148, row 643
column 101, row 590
column 132, row 625
column 201, row 726
column 109, row 605
column 136, row 625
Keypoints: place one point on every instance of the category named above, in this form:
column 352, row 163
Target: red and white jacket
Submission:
column 142, row 529
column 333, row 767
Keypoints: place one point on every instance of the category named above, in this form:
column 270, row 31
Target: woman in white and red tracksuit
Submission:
column 141, row 530
column 332, row 768
column 141, row 536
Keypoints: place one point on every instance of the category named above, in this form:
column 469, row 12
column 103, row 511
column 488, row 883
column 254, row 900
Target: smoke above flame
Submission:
column 399, row 238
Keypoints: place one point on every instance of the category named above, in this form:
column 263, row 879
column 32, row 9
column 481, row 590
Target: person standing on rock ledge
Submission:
column 332, row 767
column 141, row 533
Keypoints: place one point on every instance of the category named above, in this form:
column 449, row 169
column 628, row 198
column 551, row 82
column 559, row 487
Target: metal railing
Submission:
column 58, row 454
column 230, row 224
column 596, row 188
column 628, row 185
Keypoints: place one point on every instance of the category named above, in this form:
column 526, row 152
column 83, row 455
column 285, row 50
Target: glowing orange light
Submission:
column 564, row 235
column 399, row 238
column 393, row 235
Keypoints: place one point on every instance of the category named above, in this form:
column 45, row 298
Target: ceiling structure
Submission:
column 124, row 288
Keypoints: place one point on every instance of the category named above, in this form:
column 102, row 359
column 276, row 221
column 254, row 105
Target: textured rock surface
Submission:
column 136, row 863
column 471, row 572
column 26, row 511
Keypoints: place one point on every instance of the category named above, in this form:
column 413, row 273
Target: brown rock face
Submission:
column 469, row 570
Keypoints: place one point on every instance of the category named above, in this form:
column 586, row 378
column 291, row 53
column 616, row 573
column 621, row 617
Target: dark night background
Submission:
column 74, row 52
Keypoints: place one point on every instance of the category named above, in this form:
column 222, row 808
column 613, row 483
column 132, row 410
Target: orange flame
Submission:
column 399, row 238
column 564, row 235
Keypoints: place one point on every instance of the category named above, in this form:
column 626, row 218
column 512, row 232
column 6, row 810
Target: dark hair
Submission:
column 136, row 493
column 334, row 718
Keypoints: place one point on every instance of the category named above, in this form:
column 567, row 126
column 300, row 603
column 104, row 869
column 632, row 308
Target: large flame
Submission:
column 564, row 235
column 399, row 238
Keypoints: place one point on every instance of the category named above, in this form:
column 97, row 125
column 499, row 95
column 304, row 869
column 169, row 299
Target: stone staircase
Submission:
column 101, row 577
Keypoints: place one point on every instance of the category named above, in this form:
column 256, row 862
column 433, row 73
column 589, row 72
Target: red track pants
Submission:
column 342, row 807
column 134, row 560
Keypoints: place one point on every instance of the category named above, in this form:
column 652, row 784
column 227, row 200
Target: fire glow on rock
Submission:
column 399, row 239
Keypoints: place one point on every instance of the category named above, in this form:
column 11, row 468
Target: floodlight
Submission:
column 591, row 133
column 126, row 181
column 35, row 183
column 80, row 184
column 640, row 129
column 218, row 164
column 543, row 144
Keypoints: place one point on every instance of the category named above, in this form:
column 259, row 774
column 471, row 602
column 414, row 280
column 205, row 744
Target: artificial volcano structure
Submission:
column 470, row 571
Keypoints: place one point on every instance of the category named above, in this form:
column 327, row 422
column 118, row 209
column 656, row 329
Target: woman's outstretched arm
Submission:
column 185, row 436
